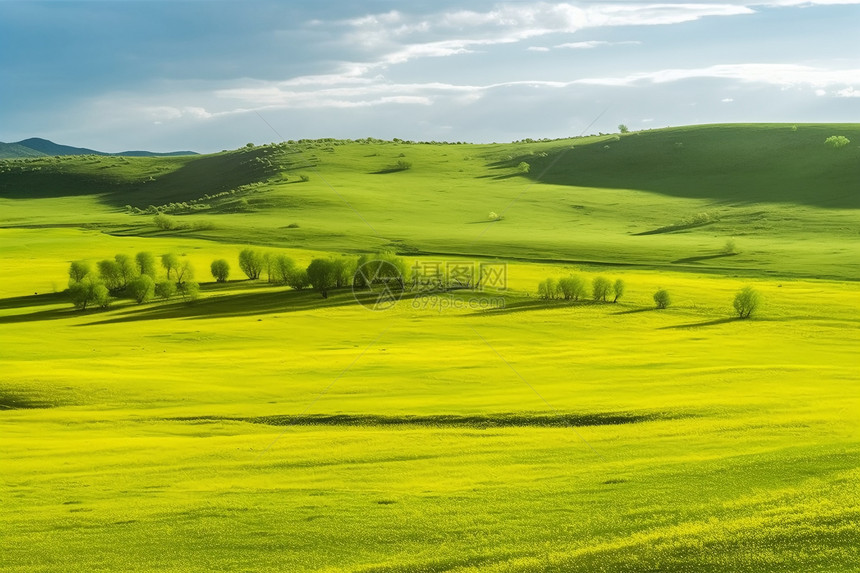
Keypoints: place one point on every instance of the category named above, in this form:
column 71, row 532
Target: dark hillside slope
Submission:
column 758, row 163
column 136, row 181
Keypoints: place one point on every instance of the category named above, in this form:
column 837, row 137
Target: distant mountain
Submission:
column 38, row 147
column 46, row 147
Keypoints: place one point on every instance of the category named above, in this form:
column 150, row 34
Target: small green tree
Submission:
column 548, row 289
column 618, row 287
column 383, row 267
column 184, row 272
column 251, row 262
column 837, row 141
column 89, row 291
column 141, row 288
column 220, row 270
column 188, row 290
column 600, row 288
column 78, row 270
column 572, row 288
column 623, row 128
column 662, row 298
column 165, row 289
column 524, row 167
column 282, row 267
column 169, row 261
column 163, row 222
column 729, row 248
column 298, row 279
column 746, row 302
column 110, row 274
column 146, row 264
column 322, row 274
column 344, row 269
column 127, row 268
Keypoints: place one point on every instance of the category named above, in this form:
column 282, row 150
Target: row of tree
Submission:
column 746, row 302
column 321, row 274
column 576, row 288
column 137, row 277
column 130, row 277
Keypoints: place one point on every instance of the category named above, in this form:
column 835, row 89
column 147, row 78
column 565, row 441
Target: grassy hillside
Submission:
column 732, row 164
column 264, row 428
column 643, row 201
column 15, row 151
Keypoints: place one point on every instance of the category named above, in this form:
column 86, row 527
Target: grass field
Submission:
column 261, row 428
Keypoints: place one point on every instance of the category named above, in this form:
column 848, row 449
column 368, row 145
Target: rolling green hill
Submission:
column 265, row 428
column 661, row 199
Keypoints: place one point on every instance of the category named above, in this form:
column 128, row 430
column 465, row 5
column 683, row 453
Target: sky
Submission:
column 207, row 75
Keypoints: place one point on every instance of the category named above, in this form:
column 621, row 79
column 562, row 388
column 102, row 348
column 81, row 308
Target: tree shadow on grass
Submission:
column 52, row 314
column 702, row 258
column 33, row 300
column 238, row 305
column 635, row 310
column 535, row 304
column 701, row 324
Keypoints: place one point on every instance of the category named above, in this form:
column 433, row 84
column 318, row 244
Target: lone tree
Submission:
column 77, row 271
column 600, row 287
column 251, row 262
column 146, row 264
column 142, row 288
column 747, row 302
column 322, row 274
column 623, row 128
column 618, row 287
column 89, row 291
column 524, row 167
column 662, row 299
column 220, row 270
column 169, row 261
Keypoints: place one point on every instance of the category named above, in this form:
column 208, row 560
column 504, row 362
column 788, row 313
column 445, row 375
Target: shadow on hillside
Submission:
column 740, row 164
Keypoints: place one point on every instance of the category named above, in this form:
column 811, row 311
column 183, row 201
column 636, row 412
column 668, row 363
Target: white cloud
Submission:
column 397, row 39
column 727, row 100
column 848, row 92
column 590, row 44
column 583, row 45
column 785, row 75
column 537, row 49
